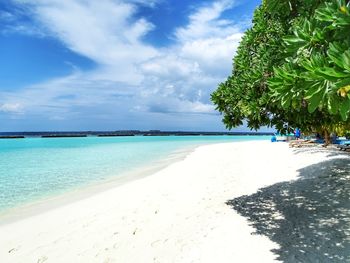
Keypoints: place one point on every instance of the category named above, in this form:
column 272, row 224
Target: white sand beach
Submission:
column 205, row 208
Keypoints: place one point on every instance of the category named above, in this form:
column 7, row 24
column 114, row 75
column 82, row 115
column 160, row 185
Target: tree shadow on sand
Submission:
column 329, row 151
column 308, row 218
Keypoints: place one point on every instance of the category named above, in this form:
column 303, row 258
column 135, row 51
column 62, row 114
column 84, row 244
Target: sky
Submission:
column 116, row 64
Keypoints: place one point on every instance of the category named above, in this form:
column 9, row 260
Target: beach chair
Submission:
column 344, row 145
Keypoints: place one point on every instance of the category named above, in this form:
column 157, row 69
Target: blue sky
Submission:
column 114, row 64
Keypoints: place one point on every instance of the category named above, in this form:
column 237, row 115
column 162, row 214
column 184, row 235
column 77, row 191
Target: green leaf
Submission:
column 332, row 72
column 340, row 56
column 344, row 109
column 314, row 101
column 286, row 100
column 333, row 104
column 312, row 89
column 342, row 83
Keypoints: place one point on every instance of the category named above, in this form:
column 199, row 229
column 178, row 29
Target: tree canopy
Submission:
column 291, row 69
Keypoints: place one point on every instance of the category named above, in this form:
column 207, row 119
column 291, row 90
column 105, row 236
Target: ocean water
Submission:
column 33, row 169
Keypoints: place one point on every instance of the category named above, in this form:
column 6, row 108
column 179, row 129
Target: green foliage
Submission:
column 318, row 57
column 292, row 68
column 243, row 95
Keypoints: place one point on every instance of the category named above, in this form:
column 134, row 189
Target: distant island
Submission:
column 60, row 134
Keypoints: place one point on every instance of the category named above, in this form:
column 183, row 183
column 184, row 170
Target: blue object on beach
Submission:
column 273, row 139
column 297, row 133
column 343, row 142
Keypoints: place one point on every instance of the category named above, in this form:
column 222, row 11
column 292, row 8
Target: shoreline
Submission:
column 51, row 200
column 209, row 207
column 48, row 203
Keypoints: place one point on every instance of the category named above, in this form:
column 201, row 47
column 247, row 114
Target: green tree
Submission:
column 291, row 68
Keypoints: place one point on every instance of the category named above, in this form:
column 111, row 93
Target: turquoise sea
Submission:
column 33, row 169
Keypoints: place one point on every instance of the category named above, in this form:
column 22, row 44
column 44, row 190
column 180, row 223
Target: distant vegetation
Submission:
column 121, row 133
column 292, row 69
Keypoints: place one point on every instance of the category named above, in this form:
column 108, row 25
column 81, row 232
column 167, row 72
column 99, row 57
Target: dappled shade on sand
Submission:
column 308, row 218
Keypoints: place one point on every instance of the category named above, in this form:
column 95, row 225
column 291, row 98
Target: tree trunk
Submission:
column 327, row 138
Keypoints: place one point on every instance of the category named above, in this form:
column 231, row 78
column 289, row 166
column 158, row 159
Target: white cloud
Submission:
column 170, row 66
column 103, row 31
column 203, row 51
column 11, row 108
column 212, row 53
column 132, row 77
column 206, row 23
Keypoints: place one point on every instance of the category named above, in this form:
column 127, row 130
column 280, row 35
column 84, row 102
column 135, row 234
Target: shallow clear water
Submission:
column 35, row 168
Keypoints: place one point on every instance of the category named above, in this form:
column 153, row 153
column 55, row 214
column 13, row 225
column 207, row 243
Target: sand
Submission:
column 205, row 208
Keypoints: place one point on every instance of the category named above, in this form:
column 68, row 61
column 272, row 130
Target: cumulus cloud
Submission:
column 131, row 77
column 202, row 51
